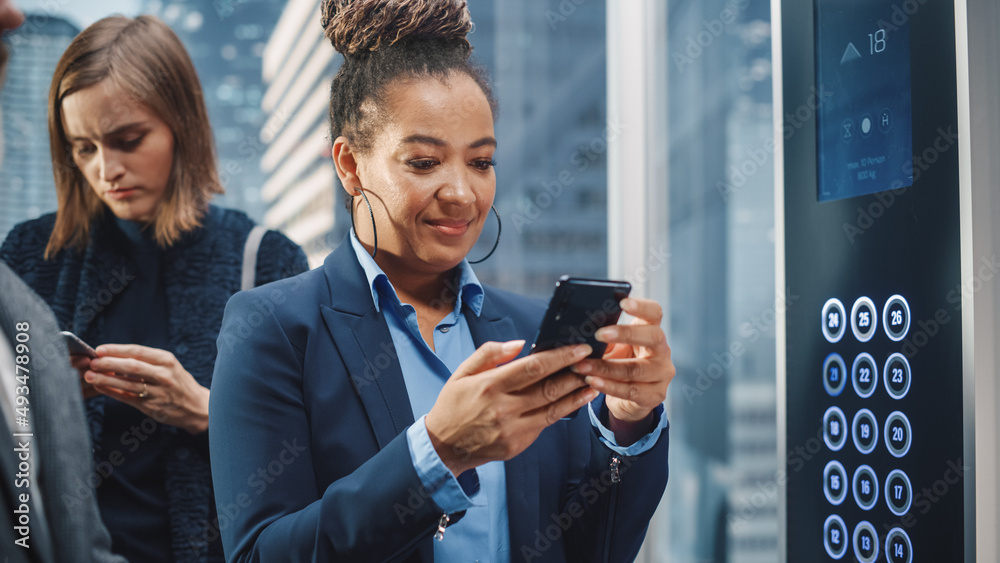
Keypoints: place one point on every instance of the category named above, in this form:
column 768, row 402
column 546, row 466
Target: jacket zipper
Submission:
column 442, row 524
column 615, row 468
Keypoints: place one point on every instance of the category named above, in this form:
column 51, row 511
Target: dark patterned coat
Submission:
column 200, row 273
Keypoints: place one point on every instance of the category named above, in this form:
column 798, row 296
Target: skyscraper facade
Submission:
column 26, row 181
column 226, row 40
column 548, row 63
column 299, row 185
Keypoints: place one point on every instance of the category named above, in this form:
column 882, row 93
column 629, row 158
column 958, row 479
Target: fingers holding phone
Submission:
column 153, row 381
column 82, row 364
column 492, row 408
column 637, row 369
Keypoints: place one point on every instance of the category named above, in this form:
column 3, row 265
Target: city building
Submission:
column 226, row 40
column 300, row 189
column 26, row 181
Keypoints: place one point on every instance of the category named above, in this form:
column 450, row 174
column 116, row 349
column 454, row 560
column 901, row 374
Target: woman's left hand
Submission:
column 153, row 381
column 635, row 370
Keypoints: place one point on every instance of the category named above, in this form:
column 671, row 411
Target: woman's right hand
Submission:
column 491, row 410
column 81, row 364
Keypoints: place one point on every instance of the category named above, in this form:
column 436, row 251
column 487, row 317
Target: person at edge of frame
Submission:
column 46, row 448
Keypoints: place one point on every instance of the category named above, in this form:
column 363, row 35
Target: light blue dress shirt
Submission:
column 483, row 534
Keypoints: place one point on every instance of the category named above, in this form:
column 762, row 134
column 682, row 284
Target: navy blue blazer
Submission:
column 309, row 455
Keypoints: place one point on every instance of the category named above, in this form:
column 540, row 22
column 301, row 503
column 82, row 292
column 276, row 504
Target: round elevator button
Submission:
column 833, row 320
column 865, row 486
column 834, row 374
column 896, row 318
column 864, row 319
column 835, row 536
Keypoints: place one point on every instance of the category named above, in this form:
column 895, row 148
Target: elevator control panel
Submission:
column 873, row 388
column 863, row 363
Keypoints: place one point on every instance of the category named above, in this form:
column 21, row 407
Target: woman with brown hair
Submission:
column 391, row 412
column 137, row 262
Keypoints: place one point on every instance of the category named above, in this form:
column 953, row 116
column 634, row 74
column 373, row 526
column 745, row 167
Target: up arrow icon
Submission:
column 850, row 54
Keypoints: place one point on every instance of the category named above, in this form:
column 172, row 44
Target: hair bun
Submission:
column 355, row 26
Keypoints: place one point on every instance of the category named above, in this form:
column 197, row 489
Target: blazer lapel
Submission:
column 521, row 473
column 490, row 324
column 362, row 336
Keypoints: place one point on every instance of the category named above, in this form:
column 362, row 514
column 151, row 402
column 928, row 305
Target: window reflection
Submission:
column 722, row 498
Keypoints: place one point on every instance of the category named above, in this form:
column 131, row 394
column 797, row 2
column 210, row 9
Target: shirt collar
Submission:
column 470, row 290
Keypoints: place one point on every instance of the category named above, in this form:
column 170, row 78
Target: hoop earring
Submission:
column 370, row 213
column 495, row 243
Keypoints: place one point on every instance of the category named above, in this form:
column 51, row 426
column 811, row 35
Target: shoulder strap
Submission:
column 250, row 256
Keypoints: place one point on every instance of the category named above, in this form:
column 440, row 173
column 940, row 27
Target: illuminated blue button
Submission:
column 898, row 548
column 864, row 430
column 896, row 375
column 835, row 482
column 835, row 536
column 833, row 321
column 864, row 319
column 834, row 374
column 864, row 375
column 865, row 542
column 896, row 318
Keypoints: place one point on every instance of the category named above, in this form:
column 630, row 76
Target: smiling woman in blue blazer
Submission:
column 366, row 408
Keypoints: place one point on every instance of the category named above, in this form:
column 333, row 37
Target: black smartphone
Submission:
column 580, row 306
column 77, row 347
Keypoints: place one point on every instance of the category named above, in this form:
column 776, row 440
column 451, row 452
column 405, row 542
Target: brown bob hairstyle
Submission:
column 145, row 59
